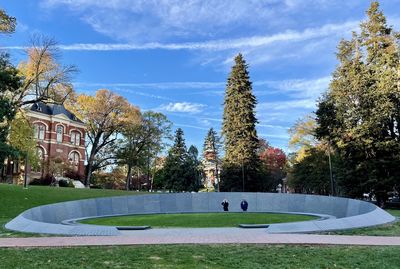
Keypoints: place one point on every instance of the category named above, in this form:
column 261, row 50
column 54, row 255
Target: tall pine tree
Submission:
column 239, row 131
column 360, row 113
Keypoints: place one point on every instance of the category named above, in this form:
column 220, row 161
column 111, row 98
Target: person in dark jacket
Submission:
column 225, row 204
column 244, row 205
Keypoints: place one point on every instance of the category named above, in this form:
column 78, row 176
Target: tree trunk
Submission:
column 89, row 170
column 216, row 173
column 128, row 177
column 89, row 167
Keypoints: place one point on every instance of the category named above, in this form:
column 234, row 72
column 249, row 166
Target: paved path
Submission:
column 199, row 236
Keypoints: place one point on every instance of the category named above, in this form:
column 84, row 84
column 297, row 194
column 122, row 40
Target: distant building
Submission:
column 212, row 168
column 60, row 139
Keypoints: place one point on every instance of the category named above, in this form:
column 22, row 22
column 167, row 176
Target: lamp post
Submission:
column 242, row 175
column 330, row 168
column 26, row 171
column 10, row 175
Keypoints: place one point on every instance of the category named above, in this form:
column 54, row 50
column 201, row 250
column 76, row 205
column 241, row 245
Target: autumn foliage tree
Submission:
column 105, row 115
column 7, row 23
column 142, row 140
column 45, row 78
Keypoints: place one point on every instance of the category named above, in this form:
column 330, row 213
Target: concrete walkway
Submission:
column 200, row 236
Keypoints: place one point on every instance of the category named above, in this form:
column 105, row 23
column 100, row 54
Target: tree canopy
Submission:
column 105, row 115
column 7, row 23
column 181, row 168
column 241, row 166
column 360, row 113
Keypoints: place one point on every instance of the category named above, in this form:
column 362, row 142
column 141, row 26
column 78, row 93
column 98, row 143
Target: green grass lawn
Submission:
column 203, row 256
column 199, row 220
column 14, row 200
column 391, row 229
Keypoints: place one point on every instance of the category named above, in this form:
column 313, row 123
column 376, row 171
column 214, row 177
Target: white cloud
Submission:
column 145, row 19
column 158, row 85
column 277, row 136
column 149, row 95
column 296, row 88
column 191, row 126
column 183, row 107
column 327, row 30
column 287, row 105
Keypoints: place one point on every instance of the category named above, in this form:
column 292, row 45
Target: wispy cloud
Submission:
column 277, row 136
column 155, row 20
column 288, row 104
column 191, row 126
column 149, row 95
column 157, row 85
column 182, row 107
column 296, row 88
column 220, row 45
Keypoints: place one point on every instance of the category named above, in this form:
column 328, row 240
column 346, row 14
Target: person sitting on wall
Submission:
column 244, row 205
column 225, row 204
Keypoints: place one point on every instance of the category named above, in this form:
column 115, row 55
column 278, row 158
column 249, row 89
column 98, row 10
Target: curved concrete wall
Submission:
column 347, row 213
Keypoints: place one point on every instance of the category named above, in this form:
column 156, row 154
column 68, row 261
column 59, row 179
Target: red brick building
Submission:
column 60, row 139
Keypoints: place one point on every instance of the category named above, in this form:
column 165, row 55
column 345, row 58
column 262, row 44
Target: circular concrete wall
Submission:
column 345, row 213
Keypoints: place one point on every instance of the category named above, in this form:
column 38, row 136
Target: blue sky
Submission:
column 174, row 56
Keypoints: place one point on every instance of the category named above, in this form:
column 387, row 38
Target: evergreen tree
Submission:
column 311, row 174
column 360, row 113
column 10, row 82
column 195, row 170
column 180, row 172
column 238, row 130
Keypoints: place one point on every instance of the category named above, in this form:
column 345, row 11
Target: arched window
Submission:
column 60, row 131
column 74, row 160
column 75, row 138
column 39, row 130
column 40, row 154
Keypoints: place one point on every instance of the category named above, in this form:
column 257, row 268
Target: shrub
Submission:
column 47, row 180
column 74, row 175
column 63, row 183
column 35, row 181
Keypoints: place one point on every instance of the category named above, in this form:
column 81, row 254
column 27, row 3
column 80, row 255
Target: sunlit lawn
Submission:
column 391, row 229
column 14, row 200
column 203, row 256
column 199, row 219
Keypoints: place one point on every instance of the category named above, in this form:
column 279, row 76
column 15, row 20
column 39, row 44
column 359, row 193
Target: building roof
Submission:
column 53, row 109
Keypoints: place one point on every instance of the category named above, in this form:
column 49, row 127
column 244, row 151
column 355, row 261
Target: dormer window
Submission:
column 60, row 131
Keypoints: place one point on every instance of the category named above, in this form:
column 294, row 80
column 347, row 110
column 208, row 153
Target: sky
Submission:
column 174, row 56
